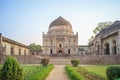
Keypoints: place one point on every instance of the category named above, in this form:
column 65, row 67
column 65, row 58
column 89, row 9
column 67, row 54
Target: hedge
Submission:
column 75, row 62
column 113, row 73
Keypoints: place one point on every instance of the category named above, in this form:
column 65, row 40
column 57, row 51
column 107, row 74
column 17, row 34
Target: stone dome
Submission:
column 60, row 26
column 59, row 21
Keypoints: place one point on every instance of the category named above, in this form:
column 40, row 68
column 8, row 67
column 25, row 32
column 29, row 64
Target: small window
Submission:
column 68, row 51
column 50, row 51
column 60, row 45
column 32, row 53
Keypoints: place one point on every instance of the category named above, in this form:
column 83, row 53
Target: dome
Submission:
column 60, row 26
column 59, row 21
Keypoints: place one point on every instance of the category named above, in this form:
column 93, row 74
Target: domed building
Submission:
column 60, row 38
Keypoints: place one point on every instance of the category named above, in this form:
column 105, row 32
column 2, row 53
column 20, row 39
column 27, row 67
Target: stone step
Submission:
column 60, row 61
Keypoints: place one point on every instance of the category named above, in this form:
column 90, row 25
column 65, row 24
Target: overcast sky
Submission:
column 25, row 20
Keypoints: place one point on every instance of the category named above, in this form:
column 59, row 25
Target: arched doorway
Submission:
column 12, row 50
column 60, row 49
column 98, row 51
column 114, row 47
column 107, row 49
column 68, row 51
column 51, row 51
column 60, row 52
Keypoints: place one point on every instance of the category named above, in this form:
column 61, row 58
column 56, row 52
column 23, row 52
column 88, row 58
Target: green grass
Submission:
column 29, row 69
column 98, row 69
column 40, row 74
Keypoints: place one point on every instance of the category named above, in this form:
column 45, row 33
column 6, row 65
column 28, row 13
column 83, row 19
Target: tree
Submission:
column 101, row 26
column 91, row 39
column 35, row 47
column 11, row 70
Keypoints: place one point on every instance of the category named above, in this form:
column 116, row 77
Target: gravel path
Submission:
column 58, row 73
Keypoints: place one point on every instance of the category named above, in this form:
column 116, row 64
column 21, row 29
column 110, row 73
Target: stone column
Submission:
column 118, row 43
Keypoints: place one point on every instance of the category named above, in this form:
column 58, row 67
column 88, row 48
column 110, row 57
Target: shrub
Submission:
column 75, row 62
column 45, row 61
column 11, row 70
column 117, row 79
column 113, row 72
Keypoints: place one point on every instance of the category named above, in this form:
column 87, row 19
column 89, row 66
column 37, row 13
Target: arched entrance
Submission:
column 51, row 52
column 114, row 47
column 107, row 49
column 12, row 51
column 60, row 52
column 98, row 47
column 68, row 51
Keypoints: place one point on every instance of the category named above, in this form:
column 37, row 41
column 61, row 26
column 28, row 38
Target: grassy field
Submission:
column 98, row 69
column 29, row 69
column 88, row 72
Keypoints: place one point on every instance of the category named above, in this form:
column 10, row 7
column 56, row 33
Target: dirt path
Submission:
column 58, row 73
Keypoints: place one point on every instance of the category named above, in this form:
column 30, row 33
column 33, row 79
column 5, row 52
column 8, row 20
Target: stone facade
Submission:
column 83, row 50
column 107, row 41
column 60, row 38
column 11, row 47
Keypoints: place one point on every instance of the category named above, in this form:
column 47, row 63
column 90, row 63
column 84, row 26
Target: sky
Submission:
column 25, row 20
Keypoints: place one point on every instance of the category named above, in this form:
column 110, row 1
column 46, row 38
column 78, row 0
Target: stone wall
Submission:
column 99, row 59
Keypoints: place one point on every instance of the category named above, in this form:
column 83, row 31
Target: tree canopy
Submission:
column 35, row 47
column 101, row 26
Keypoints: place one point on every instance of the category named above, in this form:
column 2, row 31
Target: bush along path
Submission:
column 58, row 73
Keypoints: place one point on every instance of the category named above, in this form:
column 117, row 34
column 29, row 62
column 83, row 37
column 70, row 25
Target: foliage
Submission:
column 34, row 47
column 75, row 62
column 113, row 72
column 73, row 74
column 89, row 75
column 117, row 79
column 45, row 61
column 11, row 70
column 91, row 39
column 42, row 73
column 101, row 26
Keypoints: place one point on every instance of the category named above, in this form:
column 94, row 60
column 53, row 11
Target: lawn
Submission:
column 98, row 69
column 88, row 72
column 29, row 69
